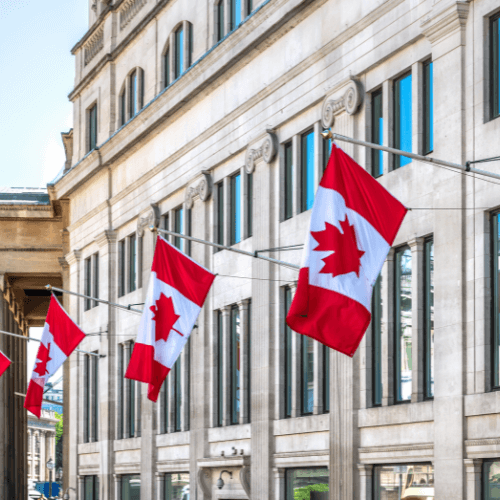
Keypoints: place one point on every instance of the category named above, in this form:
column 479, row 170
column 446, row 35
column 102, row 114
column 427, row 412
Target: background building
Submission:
column 205, row 117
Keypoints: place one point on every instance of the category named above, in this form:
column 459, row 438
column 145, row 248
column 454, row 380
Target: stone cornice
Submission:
column 442, row 24
column 105, row 238
column 73, row 257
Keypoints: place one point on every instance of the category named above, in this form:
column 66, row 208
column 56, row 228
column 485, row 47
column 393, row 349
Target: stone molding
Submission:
column 151, row 218
column 55, row 249
column 94, row 45
column 396, row 448
column 67, row 139
column 437, row 26
column 63, row 263
column 107, row 237
column 205, row 482
column 473, row 465
column 203, row 190
column 172, row 466
column 267, row 151
column 482, row 442
column 73, row 257
column 246, row 479
column 132, row 468
column 350, row 102
column 128, row 11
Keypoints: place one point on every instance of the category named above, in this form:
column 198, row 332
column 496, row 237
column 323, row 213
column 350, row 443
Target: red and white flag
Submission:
column 354, row 222
column 177, row 290
column 60, row 337
column 4, row 363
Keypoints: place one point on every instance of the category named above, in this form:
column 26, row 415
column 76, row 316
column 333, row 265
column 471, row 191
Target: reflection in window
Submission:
column 395, row 482
column 179, row 52
column 288, row 180
column 177, row 486
column 307, row 171
column 403, row 311
column 235, row 13
column 429, row 318
column 300, row 483
column 235, row 209
column 220, row 20
column 235, row 365
column 496, row 298
column 131, row 487
column 428, row 107
column 91, row 488
column 307, row 374
column 402, row 118
column 491, row 480
column 377, row 342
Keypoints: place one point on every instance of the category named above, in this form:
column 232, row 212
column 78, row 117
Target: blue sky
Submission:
column 37, row 69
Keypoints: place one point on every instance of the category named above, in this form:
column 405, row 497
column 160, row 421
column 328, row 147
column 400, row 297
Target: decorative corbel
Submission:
column 349, row 102
column 266, row 151
column 152, row 218
column 246, row 480
column 67, row 139
column 205, row 483
column 203, row 189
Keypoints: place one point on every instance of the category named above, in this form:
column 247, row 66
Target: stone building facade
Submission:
column 205, row 117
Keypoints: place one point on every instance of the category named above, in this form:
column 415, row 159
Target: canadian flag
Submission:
column 177, row 289
column 4, row 363
column 354, row 222
column 60, row 337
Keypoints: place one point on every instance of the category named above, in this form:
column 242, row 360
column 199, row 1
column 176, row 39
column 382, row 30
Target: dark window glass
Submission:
column 495, row 66
column 402, row 118
column 132, row 276
column 131, row 487
column 307, row 171
column 491, row 480
column 165, row 396
column 95, row 398
column 91, row 488
column 428, row 108
column 121, row 260
column 235, row 365
column 403, row 324
column 220, row 214
column 87, row 402
column 249, row 4
column 190, row 45
column 326, row 380
column 250, row 204
column 235, row 209
column 95, row 277
column 123, row 108
column 397, row 482
column 377, row 342
column 220, row 20
column 249, row 362
column 187, row 228
column 121, row 391
column 166, row 226
column 166, row 67
column 495, row 235
column 429, row 318
column 131, row 397
column 179, row 228
column 235, row 13
column 307, row 484
column 88, row 282
column 307, row 374
column 93, row 127
column 288, row 355
column 179, row 52
column 133, row 94
column 327, row 149
column 220, row 370
column 141, row 94
column 177, row 486
column 377, row 133
column 288, row 180
column 178, row 394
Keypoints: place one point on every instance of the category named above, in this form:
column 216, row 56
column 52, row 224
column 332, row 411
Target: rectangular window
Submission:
column 121, row 391
column 87, row 397
column 131, row 397
column 249, row 7
column 166, row 226
column 403, row 324
column 307, row 170
column 220, row 214
column 88, row 282
column 123, row 108
column 166, row 67
column 235, row 347
column 288, row 180
column 95, row 398
column 235, row 209
column 301, row 483
column 178, row 395
column 327, row 149
column 491, row 484
column 250, row 204
column 220, row 370
column 326, row 380
column 92, row 130
column 91, row 281
column 428, row 107
column 307, row 374
column 403, row 481
column 131, row 487
column 377, row 342
column 402, row 118
column 220, row 20
column 121, row 263
column 496, row 299
column 377, row 133
column 495, row 66
column 235, row 13
column 91, row 488
column 133, row 94
column 177, row 486
column 249, row 362
column 132, row 254
column 179, row 52
column 429, row 318
column 288, row 355
column 166, row 407
column 190, row 45
column 179, row 228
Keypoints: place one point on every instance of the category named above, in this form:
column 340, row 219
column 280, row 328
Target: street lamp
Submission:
column 50, row 466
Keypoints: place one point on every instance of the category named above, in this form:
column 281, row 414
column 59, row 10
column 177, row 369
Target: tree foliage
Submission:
column 59, row 440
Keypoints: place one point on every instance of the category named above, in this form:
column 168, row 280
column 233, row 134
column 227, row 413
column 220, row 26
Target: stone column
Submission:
column 319, row 374
column 244, row 361
column 226, row 364
column 117, row 486
column 185, row 382
column 365, row 481
column 126, row 398
column 43, row 457
column 296, row 174
column 473, row 469
column 160, row 485
column 81, row 487
column 279, row 484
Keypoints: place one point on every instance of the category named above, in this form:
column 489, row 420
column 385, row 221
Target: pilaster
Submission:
column 244, row 362
column 473, row 469
column 365, row 481
column 226, row 363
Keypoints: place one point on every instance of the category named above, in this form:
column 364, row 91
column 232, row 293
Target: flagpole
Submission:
column 38, row 340
column 328, row 134
column 255, row 255
column 113, row 304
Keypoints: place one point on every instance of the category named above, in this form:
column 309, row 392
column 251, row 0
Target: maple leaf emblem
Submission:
column 346, row 256
column 165, row 317
column 42, row 358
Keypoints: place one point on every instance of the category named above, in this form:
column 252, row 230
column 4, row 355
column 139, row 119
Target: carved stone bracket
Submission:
column 246, row 479
column 266, row 151
column 205, row 483
column 67, row 138
column 349, row 102
column 152, row 218
column 203, row 189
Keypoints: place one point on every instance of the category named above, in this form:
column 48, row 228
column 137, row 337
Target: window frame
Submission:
column 494, row 66
column 235, row 374
column 304, row 374
column 220, row 19
column 167, row 77
column 179, row 227
column 179, row 68
column 92, row 127
column 401, row 161
column 94, row 486
column 404, row 464
column 220, row 369
column 219, row 230
column 132, row 263
column 428, row 304
column 291, row 469
column 171, row 474
column 249, row 201
column 428, row 107
column 177, row 369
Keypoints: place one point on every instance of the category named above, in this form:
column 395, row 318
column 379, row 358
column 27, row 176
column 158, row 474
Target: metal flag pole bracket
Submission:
column 223, row 247
column 328, row 134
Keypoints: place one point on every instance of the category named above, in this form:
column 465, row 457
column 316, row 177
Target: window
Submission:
column 127, row 265
column 288, row 355
column 403, row 324
column 495, row 298
column 132, row 274
column 179, row 52
column 249, row 7
column 87, row 397
column 190, row 45
column 123, row 107
column 235, row 209
column 428, row 115
column 128, row 396
column 165, row 400
column 37, row 444
column 377, row 342
column 131, row 99
column 235, row 364
column 178, row 394
column 177, row 486
column 133, row 93
column 429, row 318
column 491, row 484
column 220, row 20
column 179, row 228
column 131, row 487
column 166, row 68
column 249, row 362
column 326, row 380
column 327, row 149
column 307, row 170
column 495, row 66
column 92, row 280
column 398, row 481
column 307, row 374
column 402, row 118
column 250, row 204
column 92, row 127
column 88, row 282
column 235, row 13
column 301, row 483
column 91, row 488
column 288, row 180
column 219, row 235
column 121, row 260
column 220, row 370
column 377, row 133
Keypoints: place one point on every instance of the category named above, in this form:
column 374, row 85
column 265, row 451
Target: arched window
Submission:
column 178, row 54
column 131, row 97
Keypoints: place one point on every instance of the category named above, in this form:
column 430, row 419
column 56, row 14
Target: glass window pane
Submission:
column 327, row 149
column 88, row 282
column 178, row 393
column 177, row 486
column 491, row 480
column 95, row 399
column 220, row 20
column 235, row 13
column 307, row 170
column 166, row 66
column 235, row 209
column 131, row 397
column 95, row 284
column 121, row 258
column 235, row 365
column 397, row 482
column 300, row 483
column 92, row 127
column 190, row 45
column 165, row 395
column 428, row 108
column 402, row 119
column 87, row 398
column 131, row 487
column 123, row 108
column 220, row 371
column 249, row 6
column 429, row 318
column 133, row 94
column 288, row 180
column 326, row 382
column 377, row 133
column 121, row 376
column 496, row 299
column 288, row 355
column 132, row 283
column 403, row 344
column 179, row 52
column 179, row 228
column 377, row 341
column 220, row 213
column 89, row 488
column 495, row 66
column 307, row 374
